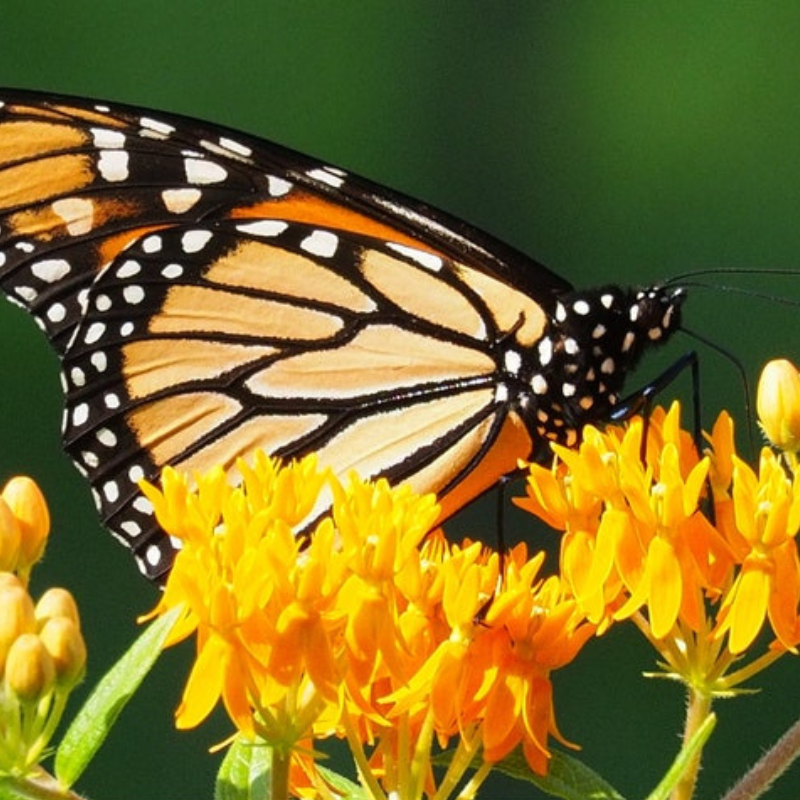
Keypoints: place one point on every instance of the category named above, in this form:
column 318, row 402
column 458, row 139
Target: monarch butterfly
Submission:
column 209, row 292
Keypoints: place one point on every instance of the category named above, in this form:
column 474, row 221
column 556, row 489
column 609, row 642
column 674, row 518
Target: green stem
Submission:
column 368, row 779
column 42, row 786
column 279, row 773
column 769, row 767
column 697, row 711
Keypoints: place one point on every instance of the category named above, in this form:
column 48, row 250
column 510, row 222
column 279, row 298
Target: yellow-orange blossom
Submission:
column 369, row 625
column 373, row 628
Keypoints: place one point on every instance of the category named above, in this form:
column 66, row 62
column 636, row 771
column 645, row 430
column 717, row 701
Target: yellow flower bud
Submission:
column 57, row 602
column 29, row 672
column 10, row 538
column 28, row 505
column 63, row 641
column 778, row 404
column 8, row 580
column 16, row 617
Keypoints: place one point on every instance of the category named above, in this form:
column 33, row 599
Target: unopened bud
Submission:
column 16, row 617
column 10, row 538
column 28, row 505
column 56, row 602
column 63, row 641
column 29, row 671
column 778, row 404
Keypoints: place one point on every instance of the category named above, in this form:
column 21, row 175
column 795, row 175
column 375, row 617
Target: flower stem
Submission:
column 769, row 767
column 38, row 786
column 279, row 773
column 697, row 710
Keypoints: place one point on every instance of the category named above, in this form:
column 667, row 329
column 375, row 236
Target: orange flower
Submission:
column 767, row 514
column 638, row 542
column 369, row 627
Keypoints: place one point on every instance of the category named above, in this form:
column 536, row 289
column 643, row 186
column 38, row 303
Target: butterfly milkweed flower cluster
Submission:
column 376, row 629
column 371, row 628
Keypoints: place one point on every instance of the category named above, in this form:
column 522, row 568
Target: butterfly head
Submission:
column 594, row 339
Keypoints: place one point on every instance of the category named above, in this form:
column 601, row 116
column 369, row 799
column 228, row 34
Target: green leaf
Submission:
column 98, row 715
column 567, row 777
column 244, row 773
column 344, row 786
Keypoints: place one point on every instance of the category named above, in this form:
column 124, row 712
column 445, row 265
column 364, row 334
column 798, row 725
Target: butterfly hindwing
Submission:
column 200, row 343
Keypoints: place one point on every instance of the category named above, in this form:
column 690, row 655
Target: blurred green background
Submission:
column 614, row 141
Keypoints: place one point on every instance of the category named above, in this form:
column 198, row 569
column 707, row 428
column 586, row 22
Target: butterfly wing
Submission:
column 209, row 292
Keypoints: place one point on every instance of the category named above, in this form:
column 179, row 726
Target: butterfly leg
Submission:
column 641, row 401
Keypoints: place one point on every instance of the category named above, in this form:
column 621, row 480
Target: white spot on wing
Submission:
column 545, row 351
column 80, row 414
column 427, row 260
column 154, row 126
column 51, row 270
column 628, row 341
column 107, row 437
column 143, row 505
column 234, row 146
column 325, row 176
column 152, row 244
column 512, row 361
column 135, row 473
column 179, row 201
column 113, row 165
column 99, row 360
column 133, row 294
column 105, row 138
column 263, row 227
column 278, row 187
column 202, row 172
column 320, row 243
column 172, row 271
column 56, row 312
column 77, row 214
column 131, row 528
column 152, row 555
column 27, row 293
column 194, row 241
column 94, row 332
column 129, row 268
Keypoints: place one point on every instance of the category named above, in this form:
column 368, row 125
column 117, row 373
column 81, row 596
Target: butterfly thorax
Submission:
column 575, row 373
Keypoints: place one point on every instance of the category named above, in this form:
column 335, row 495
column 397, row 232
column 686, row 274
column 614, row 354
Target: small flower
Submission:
column 778, row 404
column 641, row 543
column 767, row 515
column 364, row 624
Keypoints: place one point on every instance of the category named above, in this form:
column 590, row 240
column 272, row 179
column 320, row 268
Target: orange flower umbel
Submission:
column 700, row 572
column 368, row 626
column 640, row 542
